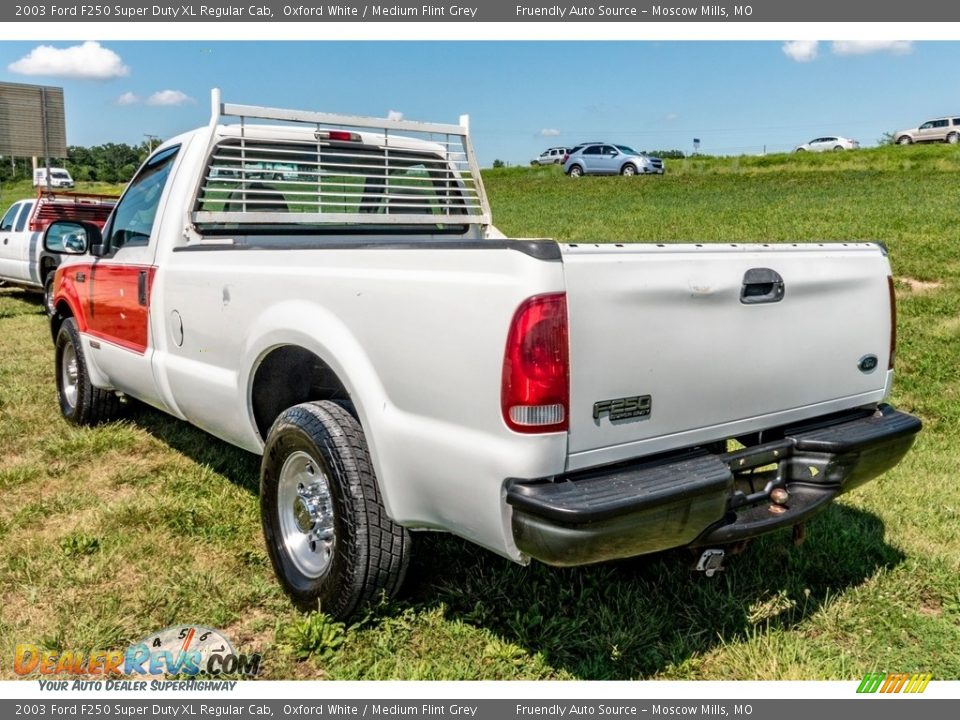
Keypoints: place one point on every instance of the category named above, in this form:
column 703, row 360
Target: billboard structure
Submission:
column 32, row 121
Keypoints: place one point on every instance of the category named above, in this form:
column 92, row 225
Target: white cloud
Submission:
column 865, row 47
column 394, row 115
column 801, row 50
column 128, row 98
column 89, row 61
column 671, row 116
column 549, row 132
column 169, row 97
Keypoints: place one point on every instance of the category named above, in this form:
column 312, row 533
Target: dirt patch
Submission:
column 917, row 287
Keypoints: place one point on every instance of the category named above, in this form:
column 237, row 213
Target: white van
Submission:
column 59, row 178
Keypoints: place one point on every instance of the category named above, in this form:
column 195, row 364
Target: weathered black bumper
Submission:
column 698, row 498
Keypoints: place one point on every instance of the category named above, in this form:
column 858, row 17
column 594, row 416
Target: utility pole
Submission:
column 150, row 138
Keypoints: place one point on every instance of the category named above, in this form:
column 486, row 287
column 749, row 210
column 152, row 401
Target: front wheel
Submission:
column 837, row 147
column 904, row 140
column 327, row 532
column 628, row 170
column 81, row 402
column 48, row 294
column 953, row 138
column 575, row 171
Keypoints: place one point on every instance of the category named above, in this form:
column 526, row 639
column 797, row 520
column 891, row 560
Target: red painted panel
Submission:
column 117, row 314
column 66, row 288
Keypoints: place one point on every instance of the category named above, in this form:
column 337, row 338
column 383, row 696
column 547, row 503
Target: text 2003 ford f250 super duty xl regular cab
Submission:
column 401, row 365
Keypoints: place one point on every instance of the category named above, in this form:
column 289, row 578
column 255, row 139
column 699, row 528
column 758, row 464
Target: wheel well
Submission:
column 288, row 376
column 62, row 313
column 47, row 266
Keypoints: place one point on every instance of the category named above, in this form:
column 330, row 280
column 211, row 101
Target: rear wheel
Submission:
column 904, row 140
column 628, row 170
column 81, row 402
column 575, row 171
column 327, row 532
column 952, row 138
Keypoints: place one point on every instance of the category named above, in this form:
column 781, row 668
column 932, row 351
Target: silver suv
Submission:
column 609, row 159
column 551, row 156
column 946, row 129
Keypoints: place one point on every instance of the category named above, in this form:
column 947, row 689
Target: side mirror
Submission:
column 72, row 237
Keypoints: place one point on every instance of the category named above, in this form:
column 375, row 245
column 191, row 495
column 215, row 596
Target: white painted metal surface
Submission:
column 667, row 321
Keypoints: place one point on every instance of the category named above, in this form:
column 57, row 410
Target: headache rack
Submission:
column 321, row 169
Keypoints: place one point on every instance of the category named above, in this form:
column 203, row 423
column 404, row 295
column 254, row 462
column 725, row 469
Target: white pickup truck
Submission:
column 23, row 261
column 401, row 365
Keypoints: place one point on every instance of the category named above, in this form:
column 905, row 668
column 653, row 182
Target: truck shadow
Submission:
column 616, row 621
column 636, row 618
column 238, row 466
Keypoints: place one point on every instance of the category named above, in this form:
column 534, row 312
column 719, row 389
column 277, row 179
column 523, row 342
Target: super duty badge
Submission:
column 638, row 406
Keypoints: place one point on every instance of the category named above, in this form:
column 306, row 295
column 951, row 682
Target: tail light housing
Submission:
column 893, row 321
column 535, row 389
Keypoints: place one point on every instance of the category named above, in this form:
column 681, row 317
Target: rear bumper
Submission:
column 698, row 498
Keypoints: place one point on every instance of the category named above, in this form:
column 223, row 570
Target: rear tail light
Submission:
column 566, row 156
column 893, row 321
column 535, row 390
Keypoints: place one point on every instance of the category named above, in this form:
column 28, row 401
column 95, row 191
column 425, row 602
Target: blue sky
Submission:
column 522, row 96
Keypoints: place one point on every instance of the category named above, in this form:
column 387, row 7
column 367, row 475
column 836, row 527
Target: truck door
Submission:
column 9, row 253
column 28, row 245
column 119, row 288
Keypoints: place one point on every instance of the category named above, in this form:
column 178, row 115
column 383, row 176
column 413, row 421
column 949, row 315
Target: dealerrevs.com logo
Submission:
column 182, row 650
column 911, row 683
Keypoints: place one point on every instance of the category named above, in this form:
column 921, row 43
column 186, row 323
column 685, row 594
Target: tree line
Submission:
column 111, row 163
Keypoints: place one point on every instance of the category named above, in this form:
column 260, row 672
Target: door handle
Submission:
column 142, row 287
column 761, row 285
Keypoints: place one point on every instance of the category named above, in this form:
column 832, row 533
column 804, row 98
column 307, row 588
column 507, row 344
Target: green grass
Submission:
column 111, row 533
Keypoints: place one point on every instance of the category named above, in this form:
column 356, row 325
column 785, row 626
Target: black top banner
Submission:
column 477, row 11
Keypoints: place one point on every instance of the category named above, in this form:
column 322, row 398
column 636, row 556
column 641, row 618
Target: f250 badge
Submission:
column 638, row 406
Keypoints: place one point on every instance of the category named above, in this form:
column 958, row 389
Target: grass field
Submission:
column 111, row 533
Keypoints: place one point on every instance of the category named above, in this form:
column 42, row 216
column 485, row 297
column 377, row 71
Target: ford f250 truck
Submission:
column 23, row 260
column 401, row 365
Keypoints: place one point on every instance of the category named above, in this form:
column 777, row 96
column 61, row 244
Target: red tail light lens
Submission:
column 893, row 321
column 535, row 391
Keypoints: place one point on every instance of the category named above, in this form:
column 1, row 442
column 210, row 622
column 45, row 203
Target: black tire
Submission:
column 837, row 147
column 953, row 138
column 628, row 170
column 368, row 553
column 800, row 150
column 575, row 171
column 904, row 140
column 80, row 401
column 48, row 293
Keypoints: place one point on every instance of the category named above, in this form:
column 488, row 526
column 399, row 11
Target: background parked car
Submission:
column 945, row 129
column 609, row 159
column 551, row 156
column 832, row 142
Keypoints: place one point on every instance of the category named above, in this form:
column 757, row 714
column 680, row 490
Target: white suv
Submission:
column 551, row 156
column 946, row 129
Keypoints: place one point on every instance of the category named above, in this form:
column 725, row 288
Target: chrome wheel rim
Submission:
column 69, row 374
column 305, row 505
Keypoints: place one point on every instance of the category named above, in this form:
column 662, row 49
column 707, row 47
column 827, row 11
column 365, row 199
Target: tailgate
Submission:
column 675, row 345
